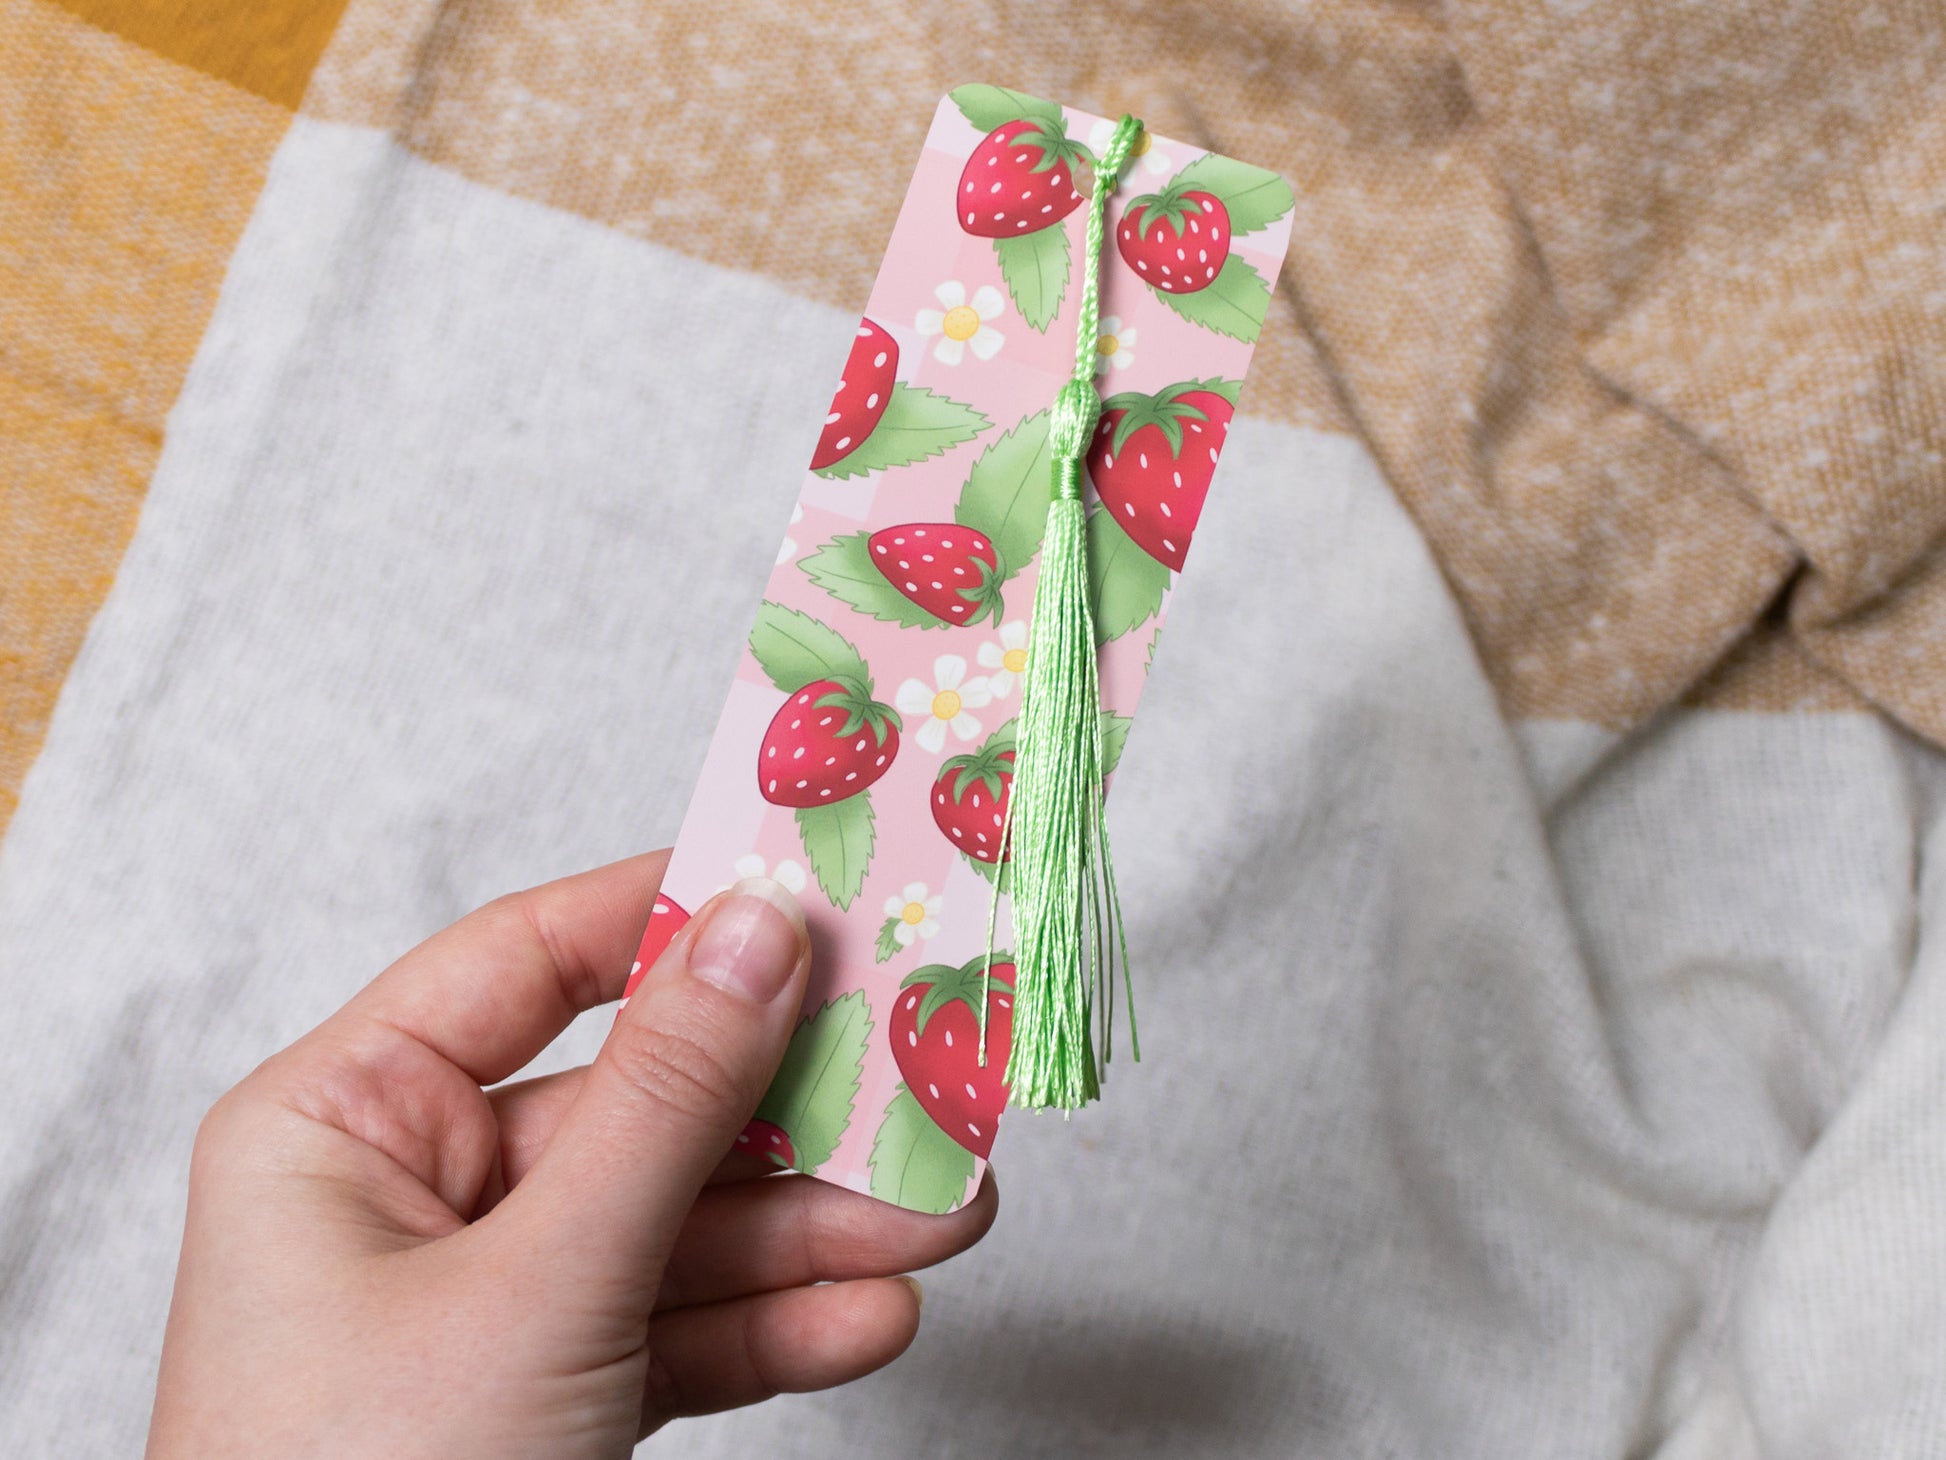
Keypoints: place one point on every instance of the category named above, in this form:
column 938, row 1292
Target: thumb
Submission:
column 680, row 1074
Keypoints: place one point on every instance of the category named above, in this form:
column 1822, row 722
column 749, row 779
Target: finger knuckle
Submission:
column 679, row 1070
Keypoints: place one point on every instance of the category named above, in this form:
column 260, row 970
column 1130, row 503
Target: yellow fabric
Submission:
column 126, row 181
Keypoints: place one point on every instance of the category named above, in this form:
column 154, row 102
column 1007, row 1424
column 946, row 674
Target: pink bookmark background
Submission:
column 845, row 1106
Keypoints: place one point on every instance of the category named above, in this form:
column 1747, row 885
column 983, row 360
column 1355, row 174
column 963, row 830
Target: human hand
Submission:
column 381, row 1258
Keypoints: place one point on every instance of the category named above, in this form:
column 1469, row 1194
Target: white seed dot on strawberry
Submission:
column 933, row 1088
column 881, row 760
column 1212, row 453
column 796, row 723
column 831, row 418
column 1128, row 508
column 935, row 582
column 1215, row 233
column 804, row 699
column 851, row 775
column 864, row 332
column 825, row 792
column 1073, row 196
column 956, row 831
column 1176, row 476
column 955, row 607
column 1047, row 207
column 999, row 217
column 1193, row 226
column 861, row 743
column 927, row 558
column 969, row 219
column 996, row 818
column 980, row 836
column 1196, row 428
column 969, row 187
column 1004, row 1003
column 971, row 1093
column 910, row 1037
column 878, row 362
column 831, row 760
column 1181, row 255
column 773, row 785
column 743, row 1138
column 775, row 1139
column 1210, row 272
column 1165, row 506
column 1021, row 224
column 880, row 549
column 912, row 1002
column 949, row 1039
column 1020, row 157
column 841, row 443
column 1142, row 266
column 941, row 798
column 1168, row 546
column 973, row 1129
column 772, row 752
column 871, row 401
column 841, row 388
column 1142, row 460
column 802, row 784
column 996, row 188
column 910, row 587
column 1156, row 237
column 798, row 754
column 1165, row 269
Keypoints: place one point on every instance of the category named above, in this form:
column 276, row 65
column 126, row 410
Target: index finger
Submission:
column 490, row 992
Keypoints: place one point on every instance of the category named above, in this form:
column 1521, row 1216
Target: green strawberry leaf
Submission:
column 811, row 1099
column 987, row 107
column 917, row 424
column 888, row 943
column 1005, row 495
column 1233, row 304
column 794, row 649
column 843, row 568
column 1114, row 738
column 838, row 843
column 914, row 1163
column 1035, row 269
column 1154, row 644
column 1254, row 197
column 994, row 872
column 1127, row 585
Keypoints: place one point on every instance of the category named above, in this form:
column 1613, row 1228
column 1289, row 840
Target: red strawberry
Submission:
column 862, row 395
column 969, row 800
column 1019, row 180
column 1176, row 239
column 665, row 921
column 1151, row 461
column 936, row 1041
column 830, row 740
column 950, row 571
column 761, row 1138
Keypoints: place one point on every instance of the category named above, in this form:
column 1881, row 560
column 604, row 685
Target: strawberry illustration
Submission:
column 665, row 921
column 1020, row 179
column 828, row 741
column 761, row 1138
column 940, row 575
column 935, row 1036
column 1176, row 239
column 862, row 395
column 969, row 800
column 1152, row 458
column 950, row 571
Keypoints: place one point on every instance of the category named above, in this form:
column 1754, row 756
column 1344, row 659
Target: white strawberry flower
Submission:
column 964, row 324
column 1147, row 156
column 913, row 915
column 790, row 874
column 1113, row 342
column 947, row 703
column 787, row 549
column 1006, row 656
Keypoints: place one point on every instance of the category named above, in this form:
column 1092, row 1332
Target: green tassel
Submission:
column 1067, row 922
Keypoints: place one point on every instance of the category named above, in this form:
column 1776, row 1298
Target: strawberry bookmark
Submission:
column 947, row 658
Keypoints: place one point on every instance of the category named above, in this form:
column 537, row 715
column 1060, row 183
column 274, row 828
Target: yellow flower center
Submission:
column 945, row 704
column 1107, row 345
column 1142, row 140
column 913, row 914
column 961, row 323
column 1015, row 660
